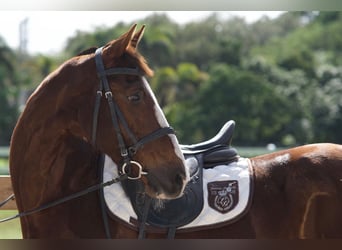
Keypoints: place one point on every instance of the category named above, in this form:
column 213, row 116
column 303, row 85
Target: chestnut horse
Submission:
column 93, row 103
column 57, row 144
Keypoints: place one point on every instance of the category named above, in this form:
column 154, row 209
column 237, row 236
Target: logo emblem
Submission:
column 223, row 196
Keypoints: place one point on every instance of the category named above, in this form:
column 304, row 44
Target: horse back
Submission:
column 303, row 189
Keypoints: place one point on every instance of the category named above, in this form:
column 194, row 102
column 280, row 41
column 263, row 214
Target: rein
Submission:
column 64, row 199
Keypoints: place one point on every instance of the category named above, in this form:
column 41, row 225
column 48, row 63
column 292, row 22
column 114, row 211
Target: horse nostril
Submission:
column 179, row 179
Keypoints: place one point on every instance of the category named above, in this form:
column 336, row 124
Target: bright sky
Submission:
column 49, row 30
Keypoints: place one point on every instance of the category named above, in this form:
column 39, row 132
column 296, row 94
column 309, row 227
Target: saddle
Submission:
column 179, row 212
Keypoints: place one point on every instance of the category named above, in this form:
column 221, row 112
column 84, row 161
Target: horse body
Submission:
column 297, row 192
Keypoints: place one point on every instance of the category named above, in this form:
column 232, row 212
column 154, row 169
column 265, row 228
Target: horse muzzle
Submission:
column 167, row 185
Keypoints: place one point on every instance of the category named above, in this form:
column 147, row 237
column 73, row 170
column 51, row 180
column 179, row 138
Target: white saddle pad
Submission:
column 226, row 190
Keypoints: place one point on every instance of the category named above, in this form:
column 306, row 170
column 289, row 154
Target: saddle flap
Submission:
column 220, row 155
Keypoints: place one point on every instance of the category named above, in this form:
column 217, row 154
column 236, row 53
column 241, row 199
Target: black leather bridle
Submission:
column 126, row 152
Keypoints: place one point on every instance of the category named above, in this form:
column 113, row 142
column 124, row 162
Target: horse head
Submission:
column 120, row 115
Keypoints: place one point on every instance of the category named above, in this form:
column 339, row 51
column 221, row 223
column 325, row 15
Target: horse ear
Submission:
column 127, row 38
column 120, row 45
column 137, row 37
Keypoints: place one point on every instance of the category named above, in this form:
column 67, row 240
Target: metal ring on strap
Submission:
column 140, row 169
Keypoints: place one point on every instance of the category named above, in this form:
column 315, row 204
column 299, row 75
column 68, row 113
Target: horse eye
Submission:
column 134, row 98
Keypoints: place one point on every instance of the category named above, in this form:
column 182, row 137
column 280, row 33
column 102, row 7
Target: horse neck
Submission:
column 45, row 151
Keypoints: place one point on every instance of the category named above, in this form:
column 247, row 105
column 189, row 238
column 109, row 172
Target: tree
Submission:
column 325, row 17
column 230, row 93
column 164, row 85
column 175, row 90
column 327, row 107
column 8, row 93
column 159, row 43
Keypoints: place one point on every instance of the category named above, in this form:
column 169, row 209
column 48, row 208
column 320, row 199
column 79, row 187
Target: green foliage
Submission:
column 231, row 93
column 19, row 74
column 8, row 93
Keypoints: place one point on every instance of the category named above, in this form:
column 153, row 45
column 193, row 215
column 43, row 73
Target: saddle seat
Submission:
column 223, row 137
column 215, row 150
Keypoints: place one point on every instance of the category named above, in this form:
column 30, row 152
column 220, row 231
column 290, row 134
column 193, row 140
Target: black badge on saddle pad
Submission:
column 223, row 196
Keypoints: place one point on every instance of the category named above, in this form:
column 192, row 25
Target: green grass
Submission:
column 4, row 167
column 10, row 229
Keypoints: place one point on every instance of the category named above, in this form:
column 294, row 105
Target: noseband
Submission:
column 126, row 152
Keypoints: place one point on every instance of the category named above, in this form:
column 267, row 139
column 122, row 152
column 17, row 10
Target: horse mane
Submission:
column 139, row 59
column 87, row 51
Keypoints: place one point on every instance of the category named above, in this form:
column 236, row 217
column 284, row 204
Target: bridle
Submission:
column 126, row 152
